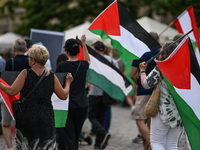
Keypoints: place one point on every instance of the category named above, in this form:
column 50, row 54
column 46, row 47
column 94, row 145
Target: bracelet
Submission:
column 141, row 72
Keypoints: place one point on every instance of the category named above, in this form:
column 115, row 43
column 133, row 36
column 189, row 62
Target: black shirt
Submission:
column 20, row 63
column 77, row 94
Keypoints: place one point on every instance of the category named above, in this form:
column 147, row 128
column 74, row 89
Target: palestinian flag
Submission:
column 182, row 76
column 126, row 35
column 107, row 77
column 184, row 23
column 60, row 108
column 8, row 99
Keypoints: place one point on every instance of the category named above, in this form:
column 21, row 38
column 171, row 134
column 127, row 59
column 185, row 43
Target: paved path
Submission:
column 123, row 129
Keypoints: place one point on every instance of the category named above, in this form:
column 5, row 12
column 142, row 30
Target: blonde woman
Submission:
column 35, row 127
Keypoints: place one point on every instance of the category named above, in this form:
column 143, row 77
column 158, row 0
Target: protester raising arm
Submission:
column 86, row 54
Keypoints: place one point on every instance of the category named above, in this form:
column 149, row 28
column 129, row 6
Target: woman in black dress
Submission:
column 78, row 103
column 35, row 127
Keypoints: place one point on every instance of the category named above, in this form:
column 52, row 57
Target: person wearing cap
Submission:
column 78, row 103
column 97, row 110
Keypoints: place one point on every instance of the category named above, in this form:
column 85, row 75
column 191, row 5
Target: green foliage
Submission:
column 59, row 15
column 10, row 6
column 39, row 14
column 175, row 7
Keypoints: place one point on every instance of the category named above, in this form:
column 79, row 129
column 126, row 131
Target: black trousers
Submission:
column 97, row 113
column 69, row 135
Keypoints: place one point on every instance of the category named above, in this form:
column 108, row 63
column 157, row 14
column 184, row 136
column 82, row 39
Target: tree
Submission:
column 174, row 7
column 59, row 15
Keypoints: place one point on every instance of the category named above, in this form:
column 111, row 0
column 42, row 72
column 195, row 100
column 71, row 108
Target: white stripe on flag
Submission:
column 59, row 104
column 191, row 97
column 186, row 24
column 109, row 73
column 131, row 43
column 7, row 107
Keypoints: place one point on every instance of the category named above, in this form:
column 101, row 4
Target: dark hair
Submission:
column 72, row 46
column 29, row 43
column 74, row 50
column 60, row 58
column 169, row 50
column 99, row 46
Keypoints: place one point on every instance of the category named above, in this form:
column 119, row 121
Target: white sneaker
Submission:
column 133, row 110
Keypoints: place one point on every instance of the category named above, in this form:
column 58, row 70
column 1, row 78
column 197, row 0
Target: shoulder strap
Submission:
column 77, row 68
column 12, row 64
column 43, row 74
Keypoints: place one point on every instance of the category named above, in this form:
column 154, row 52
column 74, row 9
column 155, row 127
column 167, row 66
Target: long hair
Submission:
column 167, row 52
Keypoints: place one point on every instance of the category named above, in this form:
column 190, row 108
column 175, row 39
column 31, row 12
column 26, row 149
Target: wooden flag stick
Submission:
column 166, row 28
column 178, row 40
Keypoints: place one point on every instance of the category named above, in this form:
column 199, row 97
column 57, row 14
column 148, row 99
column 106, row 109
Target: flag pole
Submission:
column 180, row 38
column 166, row 28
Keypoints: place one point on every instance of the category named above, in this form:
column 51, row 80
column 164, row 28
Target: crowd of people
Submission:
column 35, row 125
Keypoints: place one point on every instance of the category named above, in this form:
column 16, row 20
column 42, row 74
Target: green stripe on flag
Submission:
column 128, row 65
column 60, row 117
column 123, row 53
column 105, row 84
column 189, row 119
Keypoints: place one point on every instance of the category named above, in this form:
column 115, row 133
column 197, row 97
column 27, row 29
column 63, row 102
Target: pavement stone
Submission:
column 123, row 129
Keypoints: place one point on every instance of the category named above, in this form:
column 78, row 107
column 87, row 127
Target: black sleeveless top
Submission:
column 37, row 118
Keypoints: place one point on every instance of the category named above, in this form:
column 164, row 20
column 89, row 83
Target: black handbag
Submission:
column 107, row 100
column 16, row 104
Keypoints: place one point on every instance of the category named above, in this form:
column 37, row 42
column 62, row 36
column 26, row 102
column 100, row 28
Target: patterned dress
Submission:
column 35, row 127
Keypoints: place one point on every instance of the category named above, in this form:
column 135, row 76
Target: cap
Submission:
column 99, row 46
column 70, row 43
column 177, row 36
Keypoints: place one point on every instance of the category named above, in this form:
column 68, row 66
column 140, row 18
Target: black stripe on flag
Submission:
column 129, row 23
column 195, row 69
column 106, row 62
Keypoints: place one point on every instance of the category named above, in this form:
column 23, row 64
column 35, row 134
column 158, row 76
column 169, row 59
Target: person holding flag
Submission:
column 35, row 126
column 78, row 103
column 166, row 126
column 18, row 63
column 97, row 110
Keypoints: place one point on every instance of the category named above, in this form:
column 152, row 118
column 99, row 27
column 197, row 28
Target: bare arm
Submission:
column 58, row 89
column 143, row 75
column 17, row 85
column 86, row 54
column 150, row 80
column 134, row 74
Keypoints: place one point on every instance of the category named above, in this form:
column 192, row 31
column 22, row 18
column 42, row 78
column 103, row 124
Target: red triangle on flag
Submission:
column 177, row 68
column 80, row 55
column 8, row 99
column 108, row 21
